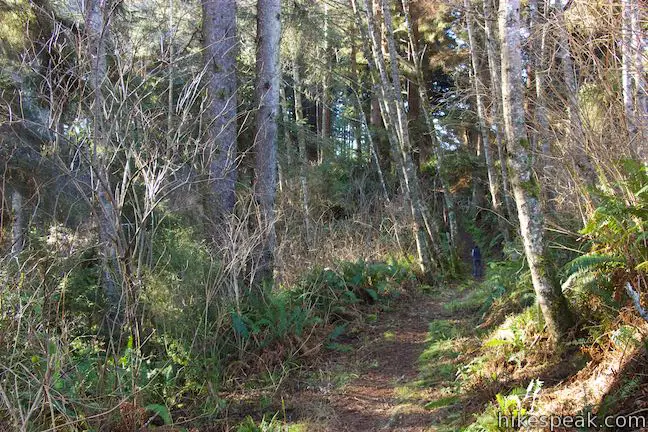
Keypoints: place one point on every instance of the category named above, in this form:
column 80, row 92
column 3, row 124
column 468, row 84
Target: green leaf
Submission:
column 239, row 326
column 372, row 293
column 162, row 411
column 337, row 332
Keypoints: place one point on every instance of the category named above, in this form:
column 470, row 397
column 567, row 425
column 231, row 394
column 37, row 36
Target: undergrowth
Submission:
column 192, row 343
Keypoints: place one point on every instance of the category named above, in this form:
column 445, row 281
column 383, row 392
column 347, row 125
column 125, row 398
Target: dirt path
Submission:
column 366, row 388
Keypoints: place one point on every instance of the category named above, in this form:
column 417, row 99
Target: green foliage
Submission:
column 513, row 338
column 338, row 291
column 619, row 225
column 517, row 404
column 271, row 425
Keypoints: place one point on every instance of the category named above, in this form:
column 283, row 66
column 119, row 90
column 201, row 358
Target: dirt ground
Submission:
column 365, row 389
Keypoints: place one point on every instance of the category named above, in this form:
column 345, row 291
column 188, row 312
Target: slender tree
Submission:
column 431, row 129
column 576, row 135
column 98, row 16
column 220, row 52
column 395, row 117
column 267, row 96
column 301, row 143
column 525, row 186
column 494, row 181
column 18, row 223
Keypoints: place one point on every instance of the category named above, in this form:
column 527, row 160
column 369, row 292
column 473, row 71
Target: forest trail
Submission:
column 373, row 385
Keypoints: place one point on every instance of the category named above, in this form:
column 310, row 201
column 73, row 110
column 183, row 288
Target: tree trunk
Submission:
column 494, row 69
column 480, row 90
column 576, row 136
column 221, row 49
column 301, row 142
column 357, row 125
column 431, row 129
column 635, row 100
column 543, row 163
column 394, row 92
column 326, row 83
column 18, row 223
column 106, row 211
column 641, row 88
column 267, row 100
column 525, row 187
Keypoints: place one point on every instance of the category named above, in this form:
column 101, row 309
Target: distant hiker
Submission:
column 475, row 253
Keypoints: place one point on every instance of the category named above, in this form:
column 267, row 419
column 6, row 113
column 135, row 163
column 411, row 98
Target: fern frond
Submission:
column 585, row 262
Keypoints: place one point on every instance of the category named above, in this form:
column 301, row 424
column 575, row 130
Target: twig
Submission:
column 634, row 295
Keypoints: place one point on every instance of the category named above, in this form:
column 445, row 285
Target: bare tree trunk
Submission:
column 267, row 98
column 221, row 49
column 357, row 126
column 641, row 87
column 626, row 69
column 326, row 97
column 18, row 223
column 494, row 69
column 541, row 113
column 480, row 90
column 393, row 105
column 429, row 122
column 576, row 138
column 525, row 187
column 170, row 136
column 106, row 211
column 287, row 135
column 301, row 142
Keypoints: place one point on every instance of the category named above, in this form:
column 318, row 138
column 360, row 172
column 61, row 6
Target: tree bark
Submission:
column 494, row 69
column 543, row 163
column 431, row 129
column 18, row 223
column 221, row 49
column 106, row 211
column 525, row 187
column 267, row 99
column 641, row 87
column 576, row 135
column 425, row 231
column 480, row 91
column 301, row 143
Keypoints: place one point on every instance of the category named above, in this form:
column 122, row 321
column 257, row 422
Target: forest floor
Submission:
column 381, row 378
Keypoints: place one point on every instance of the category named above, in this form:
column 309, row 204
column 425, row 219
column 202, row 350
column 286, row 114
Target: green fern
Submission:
column 593, row 262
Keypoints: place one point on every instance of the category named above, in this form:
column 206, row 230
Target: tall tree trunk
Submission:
column 525, row 187
column 494, row 69
column 287, row 135
column 221, row 49
column 395, row 118
column 106, row 211
column 480, row 91
column 543, row 163
column 357, row 125
column 431, row 129
column 267, row 100
column 18, row 223
column 626, row 70
column 378, row 126
column 576, row 135
column 301, row 142
column 423, row 223
column 326, row 84
column 641, row 87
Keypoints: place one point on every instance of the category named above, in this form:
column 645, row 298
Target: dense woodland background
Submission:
column 203, row 200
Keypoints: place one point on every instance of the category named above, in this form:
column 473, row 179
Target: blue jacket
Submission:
column 476, row 253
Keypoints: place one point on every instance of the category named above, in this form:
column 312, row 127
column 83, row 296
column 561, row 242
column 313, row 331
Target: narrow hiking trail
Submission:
column 373, row 386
